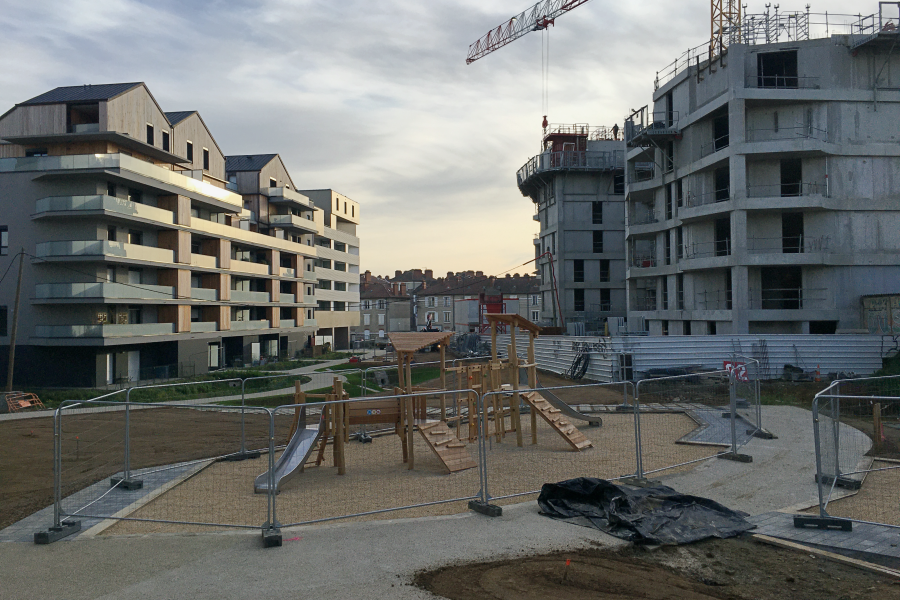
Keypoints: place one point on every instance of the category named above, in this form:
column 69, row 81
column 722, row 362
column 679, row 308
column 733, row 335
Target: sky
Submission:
column 372, row 98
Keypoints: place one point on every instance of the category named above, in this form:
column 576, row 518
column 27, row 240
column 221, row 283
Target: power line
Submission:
column 11, row 263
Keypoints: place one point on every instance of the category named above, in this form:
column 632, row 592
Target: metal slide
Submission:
column 294, row 456
column 593, row 420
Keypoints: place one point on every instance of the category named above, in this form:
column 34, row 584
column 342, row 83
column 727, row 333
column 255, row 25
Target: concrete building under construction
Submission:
column 761, row 182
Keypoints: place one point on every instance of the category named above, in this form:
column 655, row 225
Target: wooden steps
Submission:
column 569, row 432
column 446, row 446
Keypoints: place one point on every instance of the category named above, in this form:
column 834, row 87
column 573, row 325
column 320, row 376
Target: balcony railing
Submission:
column 45, row 291
column 788, row 245
column 720, row 143
column 204, row 294
column 249, row 325
column 782, row 82
column 294, row 222
column 287, row 298
column 242, row 296
column 645, row 303
column 103, row 331
column 288, row 272
column 104, row 248
column 707, row 249
column 642, row 216
column 644, row 123
column 800, row 132
column 123, row 162
column 692, row 199
column 572, row 160
column 787, row 190
column 282, row 194
column 245, row 266
column 119, row 206
column 713, row 300
column 788, row 298
column 204, row 326
column 645, row 261
column 643, row 171
column 288, row 323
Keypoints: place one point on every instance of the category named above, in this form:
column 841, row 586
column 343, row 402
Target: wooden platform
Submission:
column 552, row 415
column 446, row 446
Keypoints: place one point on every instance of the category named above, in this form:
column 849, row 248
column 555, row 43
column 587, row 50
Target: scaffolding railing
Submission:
column 799, row 132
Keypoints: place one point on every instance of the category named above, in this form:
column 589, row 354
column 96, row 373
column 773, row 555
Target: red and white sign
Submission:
column 738, row 368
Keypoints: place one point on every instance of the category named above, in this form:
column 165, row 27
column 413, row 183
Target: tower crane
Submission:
column 538, row 17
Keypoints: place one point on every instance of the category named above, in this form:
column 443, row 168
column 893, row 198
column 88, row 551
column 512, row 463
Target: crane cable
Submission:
column 545, row 71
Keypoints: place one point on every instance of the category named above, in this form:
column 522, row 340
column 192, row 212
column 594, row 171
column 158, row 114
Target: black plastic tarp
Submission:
column 649, row 515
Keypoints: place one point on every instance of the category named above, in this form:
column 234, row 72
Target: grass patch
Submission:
column 789, row 393
column 341, row 367
column 264, row 401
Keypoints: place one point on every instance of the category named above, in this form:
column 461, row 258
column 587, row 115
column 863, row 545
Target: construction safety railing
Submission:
column 707, row 249
column 572, row 160
column 787, row 190
column 781, row 82
column 789, row 298
column 641, row 214
column 643, row 171
column 800, row 132
column 694, row 199
column 855, row 425
column 797, row 244
column 719, row 143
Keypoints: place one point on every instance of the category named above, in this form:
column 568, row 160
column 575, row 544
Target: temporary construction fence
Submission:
column 857, row 436
column 138, row 465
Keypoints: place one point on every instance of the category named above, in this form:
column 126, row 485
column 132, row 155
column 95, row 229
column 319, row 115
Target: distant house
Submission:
column 384, row 307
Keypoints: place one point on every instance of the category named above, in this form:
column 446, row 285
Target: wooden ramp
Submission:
column 446, row 446
column 553, row 416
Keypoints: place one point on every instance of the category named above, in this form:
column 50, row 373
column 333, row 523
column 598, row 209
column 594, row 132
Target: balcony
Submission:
column 582, row 160
column 241, row 296
column 105, row 249
column 99, row 203
column 720, row 143
column 287, row 298
column 204, row 327
column 787, row 133
column 643, row 171
column 250, row 237
column 72, row 291
column 641, row 214
column 283, row 195
column 644, row 261
column 789, row 298
column 203, row 261
column 103, row 331
column 693, row 199
column 643, row 128
column 204, row 294
column 288, row 272
column 249, row 325
column 287, row 323
column 245, row 266
column 122, row 162
column 788, row 190
column 644, row 303
column 293, row 222
column 788, row 245
column 707, row 249
column 781, row 82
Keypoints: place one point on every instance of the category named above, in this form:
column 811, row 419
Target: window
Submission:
column 111, row 189
column 340, row 306
column 619, row 184
column 4, row 240
column 579, row 300
column 669, row 157
column 340, row 246
column 345, row 208
column 598, row 242
column 111, row 274
column 679, row 193
column 324, row 284
column 668, row 239
column 679, row 290
column 791, row 177
column 723, row 184
column 325, row 305
column 272, row 183
column 382, row 304
column 135, row 237
column 149, row 134
column 535, row 315
column 669, row 201
column 597, row 213
column 431, row 301
column 680, row 243
column 195, row 314
column 578, row 270
column 777, row 69
column 446, row 316
column 340, row 286
column 309, row 313
column 665, row 293
column 381, row 333
column 605, row 302
column 366, row 304
column 135, row 276
column 36, row 152
column 367, row 319
column 535, row 299
column 604, row 270
column 352, row 211
column 206, row 159
column 135, row 195
column 190, row 151
column 339, row 266
column 4, row 321
column 165, row 141
column 381, row 318
column 134, row 315
column 446, row 300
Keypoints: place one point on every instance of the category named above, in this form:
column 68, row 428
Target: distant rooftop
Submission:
column 245, row 162
column 82, row 93
column 177, row 117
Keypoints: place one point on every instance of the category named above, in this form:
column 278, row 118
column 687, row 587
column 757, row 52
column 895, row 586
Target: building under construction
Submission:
column 761, row 181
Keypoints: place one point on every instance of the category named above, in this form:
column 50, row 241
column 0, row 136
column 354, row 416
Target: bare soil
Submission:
column 734, row 569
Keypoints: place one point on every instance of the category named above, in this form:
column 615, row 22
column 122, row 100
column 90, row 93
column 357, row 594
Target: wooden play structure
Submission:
column 16, row 401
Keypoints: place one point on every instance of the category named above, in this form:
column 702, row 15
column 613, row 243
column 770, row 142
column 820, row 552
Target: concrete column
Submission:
column 177, row 241
column 740, row 298
column 274, row 257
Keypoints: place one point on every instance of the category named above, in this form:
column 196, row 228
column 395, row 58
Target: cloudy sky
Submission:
column 371, row 97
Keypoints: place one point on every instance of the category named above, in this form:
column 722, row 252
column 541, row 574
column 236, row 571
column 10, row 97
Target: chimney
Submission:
column 398, row 273
column 368, row 276
column 516, row 275
column 402, row 289
column 449, row 274
column 393, row 288
column 507, row 275
column 478, row 273
column 429, row 274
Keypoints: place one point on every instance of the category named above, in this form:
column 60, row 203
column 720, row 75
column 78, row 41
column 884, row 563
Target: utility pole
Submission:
column 15, row 325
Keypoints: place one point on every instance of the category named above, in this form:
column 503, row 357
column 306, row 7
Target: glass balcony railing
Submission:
column 125, row 163
column 104, row 248
column 204, row 294
column 46, row 291
column 103, row 331
column 245, row 266
column 282, row 194
column 120, row 206
column 204, row 327
column 288, row 323
column 249, row 325
column 242, row 296
column 287, row 298
column 204, row 261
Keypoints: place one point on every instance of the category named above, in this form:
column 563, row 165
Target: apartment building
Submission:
column 143, row 250
column 760, row 183
column 337, row 268
column 456, row 302
column 384, row 307
column 577, row 186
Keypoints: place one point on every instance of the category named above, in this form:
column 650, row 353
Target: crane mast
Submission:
column 538, row 17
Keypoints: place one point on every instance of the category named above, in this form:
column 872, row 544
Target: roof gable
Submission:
column 82, row 93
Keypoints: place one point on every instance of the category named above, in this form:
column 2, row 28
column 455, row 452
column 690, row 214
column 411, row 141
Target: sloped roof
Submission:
column 412, row 341
column 379, row 289
column 82, row 93
column 248, row 162
column 467, row 286
column 177, row 117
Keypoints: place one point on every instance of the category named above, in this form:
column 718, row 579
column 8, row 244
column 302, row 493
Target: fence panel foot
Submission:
column 56, row 533
column 641, row 482
column 271, row 535
column 762, row 434
column 802, row 522
column 490, row 510
column 744, row 458
column 239, row 456
column 841, row 482
column 126, row 484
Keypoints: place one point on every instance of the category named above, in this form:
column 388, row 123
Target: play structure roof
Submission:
column 516, row 320
column 412, row 341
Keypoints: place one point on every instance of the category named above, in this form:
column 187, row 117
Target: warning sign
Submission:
column 738, row 368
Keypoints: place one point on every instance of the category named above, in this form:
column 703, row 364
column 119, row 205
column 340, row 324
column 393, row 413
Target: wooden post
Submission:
column 532, row 383
column 299, row 398
column 401, row 425
column 339, row 436
column 400, row 373
column 516, row 417
column 15, row 326
column 493, row 326
column 443, row 382
column 876, row 424
column 338, row 387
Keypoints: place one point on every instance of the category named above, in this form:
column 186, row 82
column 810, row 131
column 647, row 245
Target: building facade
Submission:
column 383, row 307
column 577, row 186
column 144, row 256
column 760, row 188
